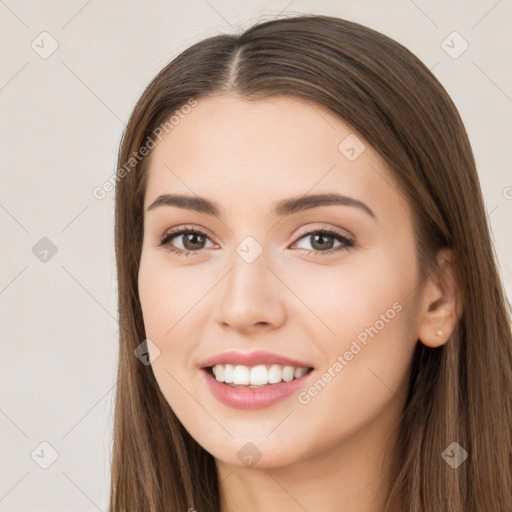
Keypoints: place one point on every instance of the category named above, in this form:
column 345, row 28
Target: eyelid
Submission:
column 308, row 230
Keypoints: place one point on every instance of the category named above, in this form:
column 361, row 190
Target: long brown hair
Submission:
column 459, row 392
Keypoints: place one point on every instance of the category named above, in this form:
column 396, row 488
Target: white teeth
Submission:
column 240, row 374
column 258, row 375
column 228, row 373
column 275, row 374
column 255, row 376
column 299, row 372
column 288, row 373
column 219, row 373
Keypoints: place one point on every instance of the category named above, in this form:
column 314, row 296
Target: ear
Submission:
column 440, row 304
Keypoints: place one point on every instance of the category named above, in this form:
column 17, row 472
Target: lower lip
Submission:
column 253, row 398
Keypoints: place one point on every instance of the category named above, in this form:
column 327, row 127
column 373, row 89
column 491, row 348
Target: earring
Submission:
column 439, row 333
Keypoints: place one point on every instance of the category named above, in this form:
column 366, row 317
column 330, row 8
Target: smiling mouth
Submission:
column 240, row 376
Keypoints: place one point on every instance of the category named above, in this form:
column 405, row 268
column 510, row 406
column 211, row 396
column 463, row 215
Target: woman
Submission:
column 306, row 277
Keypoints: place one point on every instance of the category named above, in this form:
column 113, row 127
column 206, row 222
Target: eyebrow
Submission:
column 281, row 208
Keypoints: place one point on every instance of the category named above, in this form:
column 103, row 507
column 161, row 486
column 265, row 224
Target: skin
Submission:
column 333, row 452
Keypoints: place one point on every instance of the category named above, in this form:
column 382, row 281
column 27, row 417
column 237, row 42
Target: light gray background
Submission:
column 61, row 120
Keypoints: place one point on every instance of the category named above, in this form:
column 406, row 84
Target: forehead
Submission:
column 243, row 153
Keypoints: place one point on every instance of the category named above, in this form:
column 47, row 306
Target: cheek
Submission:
column 168, row 295
column 369, row 292
column 370, row 311
column 172, row 301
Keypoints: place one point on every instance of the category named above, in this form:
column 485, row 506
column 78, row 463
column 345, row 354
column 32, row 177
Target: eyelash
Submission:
column 348, row 243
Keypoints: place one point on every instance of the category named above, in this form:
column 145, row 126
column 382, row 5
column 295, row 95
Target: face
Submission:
column 266, row 284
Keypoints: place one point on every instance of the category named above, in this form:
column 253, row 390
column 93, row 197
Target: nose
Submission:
column 250, row 297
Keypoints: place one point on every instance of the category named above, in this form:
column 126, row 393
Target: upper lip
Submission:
column 252, row 359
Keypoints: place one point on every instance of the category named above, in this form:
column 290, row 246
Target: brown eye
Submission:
column 192, row 241
column 185, row 241
column 323, row 241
